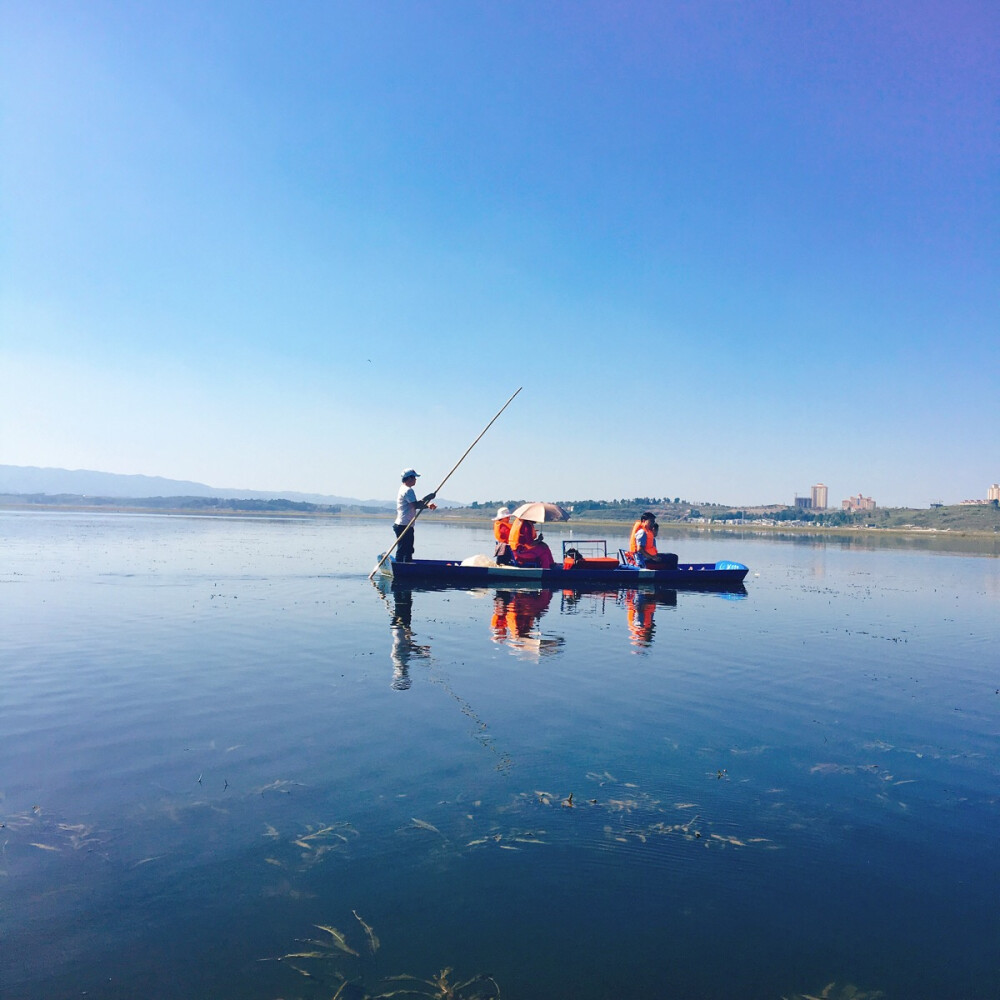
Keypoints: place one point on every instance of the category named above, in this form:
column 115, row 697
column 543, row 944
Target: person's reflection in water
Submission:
column 640, row 606
column 404, row 648
column 515, row 619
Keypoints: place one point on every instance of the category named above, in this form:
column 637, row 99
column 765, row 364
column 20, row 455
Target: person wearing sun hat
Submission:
column 501, row 531
column 501, row 525
column 407, row 506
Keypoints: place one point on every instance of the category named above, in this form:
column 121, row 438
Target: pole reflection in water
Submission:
column 405, row 648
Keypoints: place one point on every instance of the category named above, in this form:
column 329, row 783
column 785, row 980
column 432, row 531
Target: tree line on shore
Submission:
column 203, row 504
column 959, row 517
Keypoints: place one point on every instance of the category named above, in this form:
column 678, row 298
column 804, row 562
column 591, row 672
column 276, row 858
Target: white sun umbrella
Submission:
column 538, row 511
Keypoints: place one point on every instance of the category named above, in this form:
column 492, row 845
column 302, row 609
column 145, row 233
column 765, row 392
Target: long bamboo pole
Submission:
column 420, row 510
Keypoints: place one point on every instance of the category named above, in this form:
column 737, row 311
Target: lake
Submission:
column 232, row 767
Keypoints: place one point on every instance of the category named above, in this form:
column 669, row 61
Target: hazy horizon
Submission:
column 6, row 477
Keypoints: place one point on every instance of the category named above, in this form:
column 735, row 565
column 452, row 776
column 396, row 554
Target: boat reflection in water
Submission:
column 639, row 605
column 517, row 612
column 515, row 622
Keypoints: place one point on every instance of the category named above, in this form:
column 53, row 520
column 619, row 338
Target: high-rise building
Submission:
column 994, row 492
column 819, row 497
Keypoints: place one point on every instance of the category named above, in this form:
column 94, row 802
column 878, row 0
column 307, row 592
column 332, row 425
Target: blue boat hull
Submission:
column 722, row 575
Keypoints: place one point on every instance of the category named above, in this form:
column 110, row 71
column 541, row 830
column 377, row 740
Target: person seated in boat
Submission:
column 642, row 543
column 527, row 545
column 501, row 531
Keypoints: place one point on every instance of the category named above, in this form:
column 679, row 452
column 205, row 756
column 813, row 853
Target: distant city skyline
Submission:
column 724, row 248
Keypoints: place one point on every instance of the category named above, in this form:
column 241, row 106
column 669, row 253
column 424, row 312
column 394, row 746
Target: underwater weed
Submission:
column 323, row 962
column 832, row 992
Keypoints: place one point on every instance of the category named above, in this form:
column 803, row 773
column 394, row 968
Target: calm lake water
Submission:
column 222, row 747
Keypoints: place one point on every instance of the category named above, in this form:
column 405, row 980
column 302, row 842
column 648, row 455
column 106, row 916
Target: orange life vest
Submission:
column 650, row 547
column 501, row 530
column 522, row 533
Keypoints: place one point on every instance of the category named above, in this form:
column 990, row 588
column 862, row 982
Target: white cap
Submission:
column 502, row 513
column 407, row 473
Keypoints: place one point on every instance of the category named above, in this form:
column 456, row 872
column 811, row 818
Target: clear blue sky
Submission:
column 728, row 249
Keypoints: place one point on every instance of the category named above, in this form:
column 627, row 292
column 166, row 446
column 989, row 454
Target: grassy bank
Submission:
column 981, row 520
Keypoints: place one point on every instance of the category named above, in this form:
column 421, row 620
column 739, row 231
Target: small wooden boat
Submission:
column 584, row 562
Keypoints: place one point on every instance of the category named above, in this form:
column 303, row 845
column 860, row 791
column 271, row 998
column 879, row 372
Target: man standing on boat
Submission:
column 407, row 506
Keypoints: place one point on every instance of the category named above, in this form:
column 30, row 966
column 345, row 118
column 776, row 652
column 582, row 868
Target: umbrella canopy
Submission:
column 538, row 511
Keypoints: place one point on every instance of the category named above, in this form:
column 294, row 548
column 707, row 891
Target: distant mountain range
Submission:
column 27, row 479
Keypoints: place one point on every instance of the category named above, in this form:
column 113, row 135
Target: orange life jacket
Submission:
column 501, row 530
column 521, row 533
column 650, row 547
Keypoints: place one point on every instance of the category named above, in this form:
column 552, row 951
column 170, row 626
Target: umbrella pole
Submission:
column 409, row 527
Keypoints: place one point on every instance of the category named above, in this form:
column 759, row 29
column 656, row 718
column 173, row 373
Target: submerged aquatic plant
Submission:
column 36, row 830
column 832, row 992
column 634, row 815
column 373, row 941
column 481, row 987
column 314, row 844
column 332, row 949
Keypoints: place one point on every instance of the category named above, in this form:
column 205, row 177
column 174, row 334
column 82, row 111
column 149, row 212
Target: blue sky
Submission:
column 729, row 250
